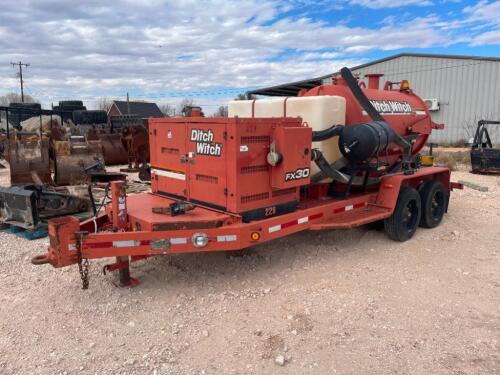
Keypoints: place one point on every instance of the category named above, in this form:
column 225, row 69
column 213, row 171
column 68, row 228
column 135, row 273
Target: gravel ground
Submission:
column 333, row 302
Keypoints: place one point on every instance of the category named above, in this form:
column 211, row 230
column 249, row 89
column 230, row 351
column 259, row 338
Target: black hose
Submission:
column 322, row 135
column 352, row 83
column 327, row 169
column 333, row 171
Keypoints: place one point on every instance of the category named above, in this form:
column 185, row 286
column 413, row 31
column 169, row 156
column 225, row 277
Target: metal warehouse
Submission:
column 459, row 90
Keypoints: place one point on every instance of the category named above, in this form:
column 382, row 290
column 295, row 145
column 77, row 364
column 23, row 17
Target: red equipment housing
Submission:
column 221, row 163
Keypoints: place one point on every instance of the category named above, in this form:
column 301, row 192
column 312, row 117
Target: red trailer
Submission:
column 222, row 184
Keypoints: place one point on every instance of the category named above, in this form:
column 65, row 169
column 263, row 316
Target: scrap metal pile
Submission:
column 50, row 149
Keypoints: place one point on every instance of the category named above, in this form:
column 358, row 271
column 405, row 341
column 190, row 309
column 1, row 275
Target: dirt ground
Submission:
column 333, row 302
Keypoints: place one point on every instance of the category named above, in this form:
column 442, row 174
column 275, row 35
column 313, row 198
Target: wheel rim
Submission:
column 437, row 205
column 410, row 215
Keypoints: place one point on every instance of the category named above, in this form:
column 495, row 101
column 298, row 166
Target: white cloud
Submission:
column 484, row 11
column 376, row 4
column 154, row 48
column 489, row 37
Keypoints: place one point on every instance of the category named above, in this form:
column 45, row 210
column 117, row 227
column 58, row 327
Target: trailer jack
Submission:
column 122, row 265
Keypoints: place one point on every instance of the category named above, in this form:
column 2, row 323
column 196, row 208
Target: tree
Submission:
column 177, row 111
column 241, row 97
column 186, row 102
column 168, row 110
column 12, row 97
column 222, row 111
column 103, row 104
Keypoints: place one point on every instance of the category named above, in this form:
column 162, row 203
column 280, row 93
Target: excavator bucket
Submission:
column 27, row 206
column 18, row 207
column 72, row 157
column 27, row 153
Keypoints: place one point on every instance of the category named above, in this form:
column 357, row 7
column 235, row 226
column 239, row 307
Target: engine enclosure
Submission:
column 221, row 163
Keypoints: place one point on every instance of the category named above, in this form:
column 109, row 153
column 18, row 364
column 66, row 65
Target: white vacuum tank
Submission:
column 319, row 112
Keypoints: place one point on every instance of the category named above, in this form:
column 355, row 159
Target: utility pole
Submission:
column 20, row 64
column 128, row 104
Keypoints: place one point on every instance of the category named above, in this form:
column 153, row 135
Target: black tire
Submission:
column 403, row 222
column 71, row 108
column 434, row 204
column 26, row 105
column 90, row 117
column 70, row 103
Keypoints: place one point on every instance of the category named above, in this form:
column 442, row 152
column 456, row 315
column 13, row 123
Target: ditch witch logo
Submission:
column 391, row 106
column 204, row 142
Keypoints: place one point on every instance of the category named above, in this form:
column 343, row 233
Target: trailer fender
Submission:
column 390, row 185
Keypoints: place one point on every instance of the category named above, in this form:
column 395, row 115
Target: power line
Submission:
column 20, row 64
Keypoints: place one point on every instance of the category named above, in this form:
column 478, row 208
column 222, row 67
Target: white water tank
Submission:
column 240, row 108
column 319, row 112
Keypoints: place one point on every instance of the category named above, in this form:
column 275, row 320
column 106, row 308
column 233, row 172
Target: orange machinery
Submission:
column 223, row 184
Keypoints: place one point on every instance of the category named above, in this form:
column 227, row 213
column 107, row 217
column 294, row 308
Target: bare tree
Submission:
column 172, row 111
column 168, row 110
column 12, row 97
column 103, row 104
column 186, row 102
column 241, row 97
column 222, row 111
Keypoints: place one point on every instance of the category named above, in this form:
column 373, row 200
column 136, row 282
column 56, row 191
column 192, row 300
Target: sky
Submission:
column 212, row 50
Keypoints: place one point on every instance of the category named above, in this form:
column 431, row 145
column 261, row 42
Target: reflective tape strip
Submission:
column 131, row 243
column 420, row 113
column 274, row 228
column 302, row 220
column 179, row 241
column 228, row 238
column 128, row 243
column 349, row 207
column 174, row 175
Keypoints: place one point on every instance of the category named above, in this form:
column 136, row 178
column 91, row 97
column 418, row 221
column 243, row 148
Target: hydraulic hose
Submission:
column 327, row 169
column 333, row 171
column 322, row 135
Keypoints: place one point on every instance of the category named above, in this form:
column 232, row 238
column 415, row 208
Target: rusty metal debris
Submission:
column 136, row 140
column 485, row 158
column 27, row 153
column 28, row 206
column 113, row 149
column 73, row 157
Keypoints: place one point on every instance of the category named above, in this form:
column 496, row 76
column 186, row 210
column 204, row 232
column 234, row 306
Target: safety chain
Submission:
column 83, row 267
column 83, row 264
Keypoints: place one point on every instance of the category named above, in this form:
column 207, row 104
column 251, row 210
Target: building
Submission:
column 142, row 110
column 459, row 90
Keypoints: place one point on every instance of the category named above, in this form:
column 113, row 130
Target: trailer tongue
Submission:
column 223, row 184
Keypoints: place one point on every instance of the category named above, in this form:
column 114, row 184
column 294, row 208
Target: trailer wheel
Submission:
column 434, row 202
column 403, row 222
